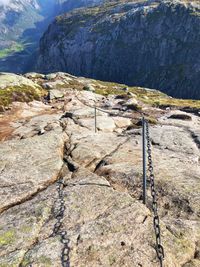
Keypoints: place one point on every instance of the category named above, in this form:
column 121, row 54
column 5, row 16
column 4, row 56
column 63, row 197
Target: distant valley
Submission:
column 22, row 24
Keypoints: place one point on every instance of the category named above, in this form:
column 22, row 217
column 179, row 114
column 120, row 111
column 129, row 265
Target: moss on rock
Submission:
column 7, row 237
column 22, row 93
column 18, row 88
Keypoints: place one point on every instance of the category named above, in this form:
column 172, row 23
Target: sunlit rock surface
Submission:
column 104, row 218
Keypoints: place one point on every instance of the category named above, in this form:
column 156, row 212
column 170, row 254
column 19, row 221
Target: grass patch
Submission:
column 149, row 97
column 17, row 47
column 45, row 260
column 20, row 93
column 7, row 238
column 152, row 120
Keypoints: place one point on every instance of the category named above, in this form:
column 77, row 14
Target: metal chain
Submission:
column 114, row 114
column 156, row 220
column 59, row 209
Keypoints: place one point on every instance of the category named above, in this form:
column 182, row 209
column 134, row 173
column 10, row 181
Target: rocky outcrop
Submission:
column 17, row 88
column 8, row 80
column 153, row 44
column 72, row 197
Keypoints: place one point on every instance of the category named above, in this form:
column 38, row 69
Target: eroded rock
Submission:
column 55, row 94
column 104, row 219
column 10, row 79
column 29, row 166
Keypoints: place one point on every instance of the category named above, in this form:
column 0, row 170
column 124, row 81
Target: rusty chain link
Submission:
column 156, row 220
column 59, row 209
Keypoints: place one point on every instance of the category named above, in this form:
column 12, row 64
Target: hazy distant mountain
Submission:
column 17, row 16
column 22, row 23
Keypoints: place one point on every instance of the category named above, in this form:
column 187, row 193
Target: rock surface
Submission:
column 11, row 80
column 52, row 150
column 17, row 88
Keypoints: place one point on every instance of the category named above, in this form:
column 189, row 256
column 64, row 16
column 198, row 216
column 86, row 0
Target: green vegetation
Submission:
column 7, row 238
column 78, row 18
column 152, row 120
column 17, row 47
column 109, row 88
column 46, row 261
column 42, row 261
column 20, row 93
column 150, row 97
column 196, row 13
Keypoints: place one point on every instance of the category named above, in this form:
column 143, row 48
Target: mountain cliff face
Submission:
column 71, row 4
column 22, row 24
column 147, row 43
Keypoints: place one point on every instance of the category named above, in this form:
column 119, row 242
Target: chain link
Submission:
column 114, row 114
column 59, row 209
column 156, row 220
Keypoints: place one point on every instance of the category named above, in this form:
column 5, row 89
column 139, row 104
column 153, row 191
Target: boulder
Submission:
column 51, row 76
column 55, row 94
column 126, row 89
column 12, row 80
column 55, row 84
column 132, row 104
column 104, row 123
column 131, row 101
column 34, row 75
column 132, row 94
column 18, row 88
column 121, row 122
column 89, row 87
column 37, row 125
column 181, row 117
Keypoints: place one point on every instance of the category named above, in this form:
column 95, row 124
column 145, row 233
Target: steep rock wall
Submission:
column 153, row 44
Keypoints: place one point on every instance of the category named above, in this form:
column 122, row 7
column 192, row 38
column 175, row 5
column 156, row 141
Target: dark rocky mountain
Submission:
column 147, row 43
column 22, row 24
